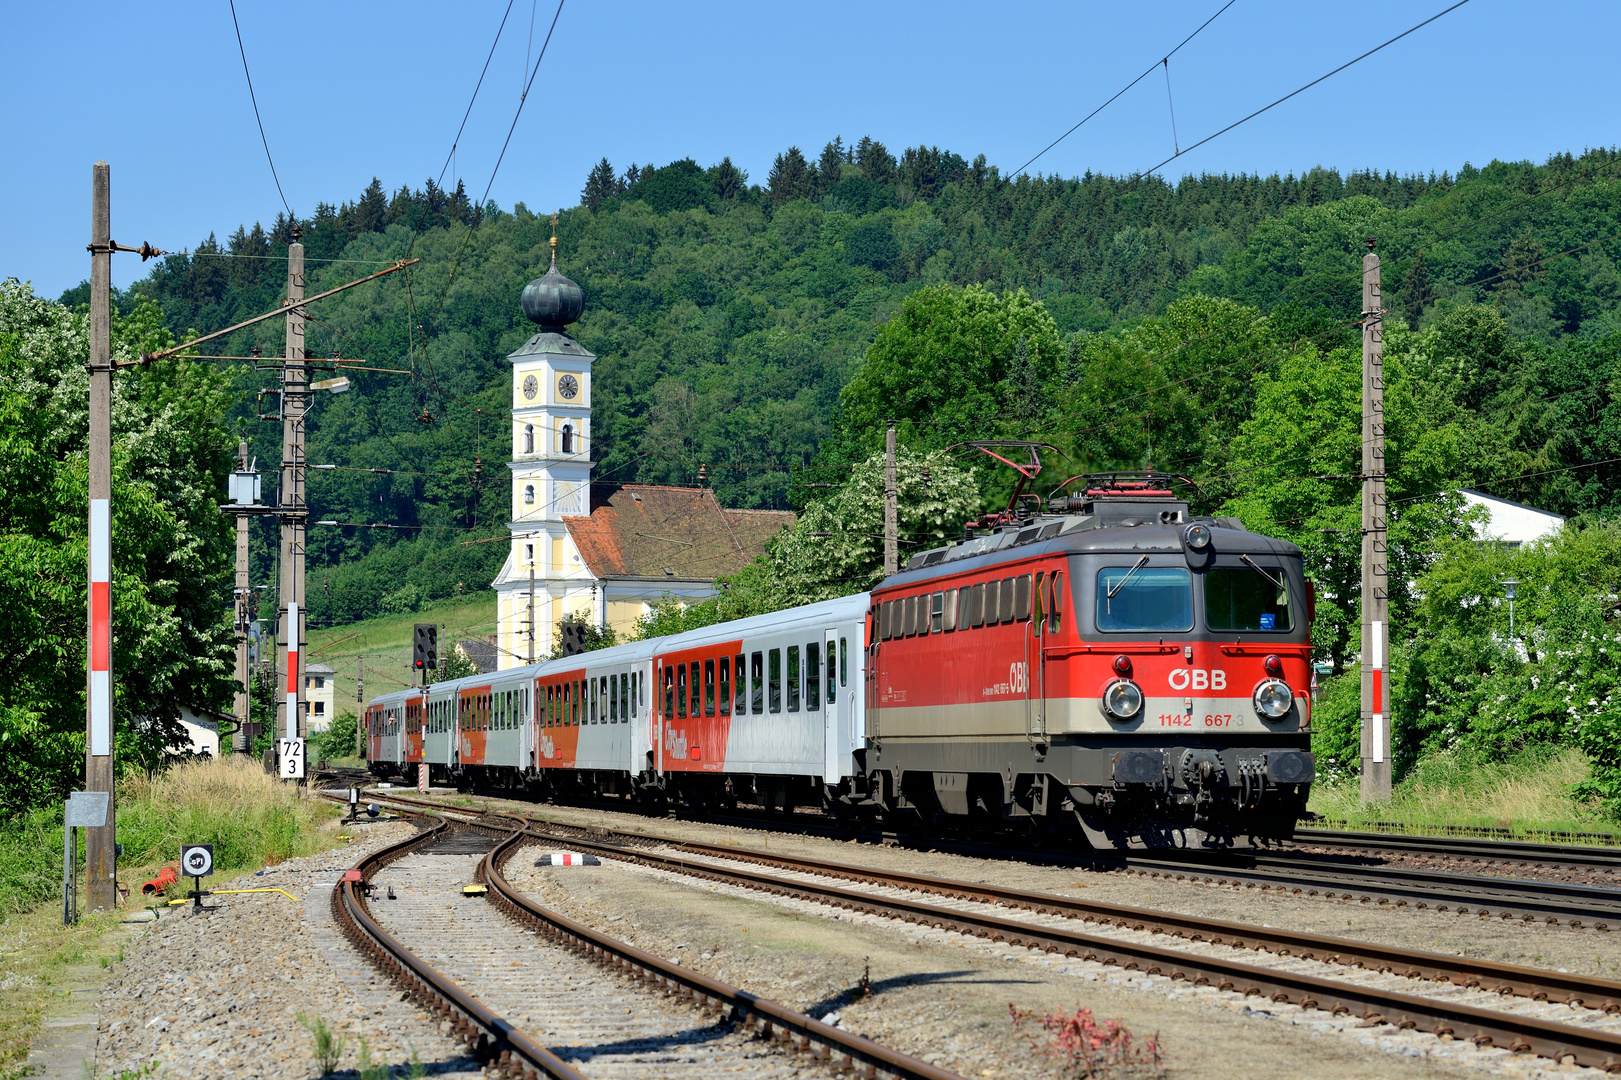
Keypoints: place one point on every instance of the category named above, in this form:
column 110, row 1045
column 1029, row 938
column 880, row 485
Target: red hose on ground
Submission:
column 166, row 877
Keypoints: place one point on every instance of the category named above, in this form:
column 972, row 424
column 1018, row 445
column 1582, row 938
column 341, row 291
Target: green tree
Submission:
column 940, row 367
column 600, row 186
column 791, row 177
column 171, row 547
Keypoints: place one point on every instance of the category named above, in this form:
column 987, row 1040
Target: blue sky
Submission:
column 353, row 90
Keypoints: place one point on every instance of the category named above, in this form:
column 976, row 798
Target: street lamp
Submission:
column 1511, row 588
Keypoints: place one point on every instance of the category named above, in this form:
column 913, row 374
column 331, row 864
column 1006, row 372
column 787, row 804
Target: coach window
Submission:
column 774, row 681
column 937, row 613
column 607, row 680
column 740, row 686
column 709, row 688
column 757, row 683
column 948, row 613
column 1007, row 599
column 681, row 691
column 1140, row 597
column 1021, row 597
column 596, row 701
column 546, row 711
column 832, row 674
column 793, row 678
column 844, row 662
column 613, row 700
column 725, row 691
column 576, row 711
column 635, row 689
column 813, row 676
column 697, row 691
column 984, row 601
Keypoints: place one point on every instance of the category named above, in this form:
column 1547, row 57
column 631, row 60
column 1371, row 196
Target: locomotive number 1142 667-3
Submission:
column 1211, row 720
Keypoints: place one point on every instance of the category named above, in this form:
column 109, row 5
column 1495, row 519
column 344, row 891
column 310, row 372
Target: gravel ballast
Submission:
column 219, row 993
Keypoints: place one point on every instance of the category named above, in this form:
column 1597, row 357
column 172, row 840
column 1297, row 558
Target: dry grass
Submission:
column 1529, row 792
column 251, row 817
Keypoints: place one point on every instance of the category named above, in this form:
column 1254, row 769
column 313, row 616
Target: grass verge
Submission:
column 385, row 643
column 251, row 818
column 1529, row 792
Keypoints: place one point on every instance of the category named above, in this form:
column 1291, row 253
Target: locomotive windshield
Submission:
column 1145, row 598
column 1246, row 599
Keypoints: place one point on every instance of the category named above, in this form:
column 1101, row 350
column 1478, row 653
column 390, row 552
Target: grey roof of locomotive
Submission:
column 1136, row 527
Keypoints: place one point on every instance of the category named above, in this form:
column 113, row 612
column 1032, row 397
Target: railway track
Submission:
column 584, row 999
column 973, row 912
column 1291, row 874
column 1492, row 852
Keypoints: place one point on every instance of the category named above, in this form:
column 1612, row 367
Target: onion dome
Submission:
column 553, row 300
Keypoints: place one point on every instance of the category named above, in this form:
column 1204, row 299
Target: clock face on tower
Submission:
column 531, row 387
column 568, row 387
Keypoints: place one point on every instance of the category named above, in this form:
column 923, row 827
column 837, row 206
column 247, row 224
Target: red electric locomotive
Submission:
column 1110, row 665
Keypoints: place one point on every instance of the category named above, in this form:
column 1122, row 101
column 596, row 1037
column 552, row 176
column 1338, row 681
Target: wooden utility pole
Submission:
column 1375, row 546
column 891, row 526
column 292, row 508
column 101, row 864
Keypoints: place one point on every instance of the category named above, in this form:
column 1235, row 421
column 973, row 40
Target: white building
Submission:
column 610, row 563
column 319, row 696
column 1510, row 523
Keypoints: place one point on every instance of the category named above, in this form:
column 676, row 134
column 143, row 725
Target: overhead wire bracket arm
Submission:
column 147, row 358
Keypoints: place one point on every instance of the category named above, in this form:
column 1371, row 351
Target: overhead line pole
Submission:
column 290, row 496
column 891, row 526
column 101, row 864
column 1375, row 710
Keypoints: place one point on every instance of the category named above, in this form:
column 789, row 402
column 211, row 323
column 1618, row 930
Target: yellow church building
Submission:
column 611, row 562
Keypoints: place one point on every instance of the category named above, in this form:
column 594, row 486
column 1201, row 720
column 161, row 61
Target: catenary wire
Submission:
column 1064, row 219
column 256, row 117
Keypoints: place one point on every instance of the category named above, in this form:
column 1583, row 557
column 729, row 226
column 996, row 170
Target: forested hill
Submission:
column 729, row 315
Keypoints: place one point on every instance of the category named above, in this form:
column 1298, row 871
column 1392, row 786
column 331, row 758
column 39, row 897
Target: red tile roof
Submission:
column 671, row 532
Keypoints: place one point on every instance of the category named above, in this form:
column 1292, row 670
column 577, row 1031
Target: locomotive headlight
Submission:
column 1196, row 537
column 1273, row 699
column 1122, row 699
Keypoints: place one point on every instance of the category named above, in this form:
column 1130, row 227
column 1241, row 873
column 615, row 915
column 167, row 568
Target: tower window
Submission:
column 568, row 438
column 529, row 438
column 529, row 494
column 529, row 553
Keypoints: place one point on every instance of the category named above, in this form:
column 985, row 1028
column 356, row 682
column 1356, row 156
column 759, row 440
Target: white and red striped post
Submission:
column 101, row 865
column 292, row 669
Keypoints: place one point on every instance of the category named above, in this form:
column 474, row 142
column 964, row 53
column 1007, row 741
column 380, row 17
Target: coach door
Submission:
column 831, row 744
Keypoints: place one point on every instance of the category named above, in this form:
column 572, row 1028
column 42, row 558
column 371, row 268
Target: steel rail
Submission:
column 1521, row 851
column 1534, row 983
column 766, row 1017
column 1557, row 987
column 1552, row 903
column 492, row 1039
column 1511, row 979
column 1557, row 1041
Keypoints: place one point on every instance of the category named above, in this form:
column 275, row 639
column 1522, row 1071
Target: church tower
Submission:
column 544, row 579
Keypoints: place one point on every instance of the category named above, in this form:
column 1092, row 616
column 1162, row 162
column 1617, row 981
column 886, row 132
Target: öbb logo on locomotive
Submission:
column 1099, row 668
column 1198, row 679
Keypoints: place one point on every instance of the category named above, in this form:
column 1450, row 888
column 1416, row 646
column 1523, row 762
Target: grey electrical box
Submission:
column 87, row 809
column 244, row 489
